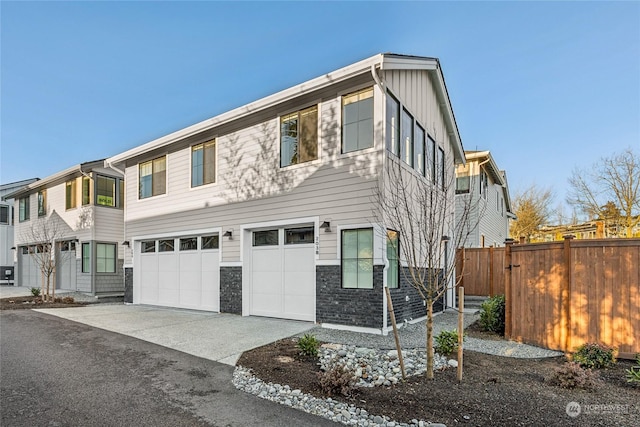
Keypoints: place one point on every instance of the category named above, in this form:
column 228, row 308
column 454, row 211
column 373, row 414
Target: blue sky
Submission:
column 546, row 86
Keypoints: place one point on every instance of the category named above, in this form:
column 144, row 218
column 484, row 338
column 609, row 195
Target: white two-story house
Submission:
column 80, row 210
column 269, row 209
column 7, row 219
column 482, row 185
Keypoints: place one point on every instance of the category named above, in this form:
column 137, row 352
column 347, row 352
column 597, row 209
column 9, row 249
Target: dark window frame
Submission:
column 361, row 121
column 358, row 259
column 306, row 136
column 203, row 163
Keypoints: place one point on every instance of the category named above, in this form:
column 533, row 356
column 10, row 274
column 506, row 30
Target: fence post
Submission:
column 507, row 289
column 566, row 292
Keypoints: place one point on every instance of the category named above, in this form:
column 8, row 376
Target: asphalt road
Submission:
column 54, row 372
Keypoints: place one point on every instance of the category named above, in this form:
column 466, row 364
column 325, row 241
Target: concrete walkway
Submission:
column 214, row 336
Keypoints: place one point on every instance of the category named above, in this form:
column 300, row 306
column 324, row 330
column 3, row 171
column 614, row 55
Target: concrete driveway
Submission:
column 214, row 336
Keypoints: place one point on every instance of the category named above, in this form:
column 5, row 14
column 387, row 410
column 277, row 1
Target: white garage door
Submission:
column 283, row 279
column 179, row 272
column 30, row 275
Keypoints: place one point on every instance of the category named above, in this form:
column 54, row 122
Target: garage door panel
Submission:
column 299, row 307
column 267, row 305
column 183, row 279
column 299, row 259
column 299, row 283
column 266, row 259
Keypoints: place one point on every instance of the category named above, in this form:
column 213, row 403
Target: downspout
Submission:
column 381, row 180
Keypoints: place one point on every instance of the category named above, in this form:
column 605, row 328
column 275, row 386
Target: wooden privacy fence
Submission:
column 481, row 270
column 560, row 295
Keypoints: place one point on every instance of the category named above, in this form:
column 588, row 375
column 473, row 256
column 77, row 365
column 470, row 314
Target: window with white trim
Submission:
column 357, row 258
column 357, row 120
column 153, row 177
column 203, row 163
column 299, row 137
column 70, row 194
column 23, row 209
column 4, row 214
column 106, row 257
column 393, row 256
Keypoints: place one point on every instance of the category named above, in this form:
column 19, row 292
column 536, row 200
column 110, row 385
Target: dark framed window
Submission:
column 393, row 125
column 86, row 257
column 430, row 159
column 166, row 245
column 105, row 191
column 300, row 235
column 419, row 149
column 265, row 238
column 70, row 194
column 147, row 246
column 440, row 168
column 357, row 120
column 211, row 242
column 203, row 163
column 153, row 177
column 188, row 243
column 4, row 214
column 393, row 256
column 462, row 183
column 357, row 258
column 86, row 190
column 23, row 209
column 406, row 138
column 106, row 257
column 42, row 203
column 299, row 137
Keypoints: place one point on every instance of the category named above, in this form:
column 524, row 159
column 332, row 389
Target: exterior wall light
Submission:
column 326, row 225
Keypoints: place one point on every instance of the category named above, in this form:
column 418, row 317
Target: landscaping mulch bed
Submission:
column 497, row 391
column 22, row 303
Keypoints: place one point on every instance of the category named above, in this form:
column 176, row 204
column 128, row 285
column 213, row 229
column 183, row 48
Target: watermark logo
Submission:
column 573, row 409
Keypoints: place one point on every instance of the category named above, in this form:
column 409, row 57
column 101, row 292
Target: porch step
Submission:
column 474, row 302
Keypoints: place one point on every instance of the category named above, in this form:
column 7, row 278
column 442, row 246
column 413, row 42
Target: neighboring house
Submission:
column 83, row 205
column 268, row 209
column 482, row 185
column 7, row 220
column 595, row 229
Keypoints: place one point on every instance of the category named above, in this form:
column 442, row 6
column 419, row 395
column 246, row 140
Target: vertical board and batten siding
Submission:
column 337, row 186
column 561, row 295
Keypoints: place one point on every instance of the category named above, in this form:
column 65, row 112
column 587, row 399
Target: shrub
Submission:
column 35, row 292
column 447, row 342
column 68, row 300
column 633, row 374
column 492, row 314
column 308, row 345
column 571, row 375
column 594, row 356
column 338, row 378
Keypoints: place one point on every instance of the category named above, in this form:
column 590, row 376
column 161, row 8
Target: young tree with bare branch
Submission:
column 45, row 236
column 532, row 209
column 611, row 183
column 429, row 227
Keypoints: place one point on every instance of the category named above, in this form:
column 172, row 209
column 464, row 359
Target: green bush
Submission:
column 338, row 378
column 35, row 292
column 633, row 374
column 594, row 356
column 571, row 375
column 492, row 314
column 447, row 342
column 308, row 345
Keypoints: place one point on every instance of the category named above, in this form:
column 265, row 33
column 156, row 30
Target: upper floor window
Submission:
column 70, row 194
column 299, row 137
column 393, row 125
column 484, row 183
column 357, row 258
column 440, row 182
column 42, row 203
column 462, row 182
column 430, row 159
column 357, row 120
column 23, row 207
column 203, row 164
column 406, row 140
column 105, row 191
column 4, row 214
column 153, row 177
column 419, row 149
column 86, row 190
